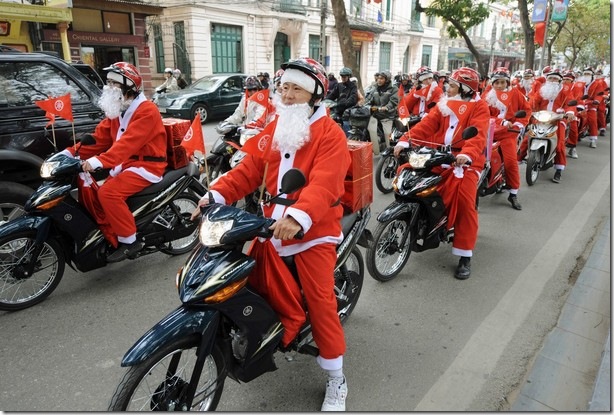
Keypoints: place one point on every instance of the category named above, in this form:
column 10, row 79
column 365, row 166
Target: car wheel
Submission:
column 202, row 111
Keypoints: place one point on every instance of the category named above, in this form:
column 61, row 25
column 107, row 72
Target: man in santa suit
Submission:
column 254, row 111
column 576, row 91
column 595, row 90
column 303, row 137
column 526, row 83
column 422, row 97
column 131, row 141
column 504, row 102
column 552, row 96
column 460, row 108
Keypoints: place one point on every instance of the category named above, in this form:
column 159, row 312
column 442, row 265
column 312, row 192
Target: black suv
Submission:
column 24, row 140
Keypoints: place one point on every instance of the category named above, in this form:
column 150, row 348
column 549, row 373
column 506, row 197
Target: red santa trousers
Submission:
column 572, row 138
column 459, row 199
column 315, row 266
column 108, row 205
column 509, row 150
column 601, row 115
column 591, row 115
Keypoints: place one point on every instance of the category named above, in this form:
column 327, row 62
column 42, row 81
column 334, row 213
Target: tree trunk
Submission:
column 529, row 35
column 479, row 58
column 345, row 38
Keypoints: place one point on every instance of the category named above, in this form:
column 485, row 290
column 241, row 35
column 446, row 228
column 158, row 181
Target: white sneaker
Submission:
column 593, row 144
column 573, row 153
column 336, row 392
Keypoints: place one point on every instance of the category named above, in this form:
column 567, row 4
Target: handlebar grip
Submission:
column 511, row 130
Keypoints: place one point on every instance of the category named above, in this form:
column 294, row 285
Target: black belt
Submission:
column 148, row 158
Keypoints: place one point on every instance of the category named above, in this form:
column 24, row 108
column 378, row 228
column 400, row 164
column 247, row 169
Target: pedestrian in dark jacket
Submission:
column 345, row 95
column 332, row 82
column 383, row 101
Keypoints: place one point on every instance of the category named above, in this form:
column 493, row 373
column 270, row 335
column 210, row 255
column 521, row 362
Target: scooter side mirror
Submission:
column 600, row 93
column 431, row 105
column 584, row 96
column 572, row 103
column 87, row 140
column 292, row 180
column 470, row 132
column 520, row 114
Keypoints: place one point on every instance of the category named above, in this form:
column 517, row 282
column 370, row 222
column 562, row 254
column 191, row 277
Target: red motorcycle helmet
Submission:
column 126, row 74
column 528, row 73
column 424, row 73
column 278, row 75
column 546, row 70
column 569, row 75
column 315, row 70
column 252, row 83
column 468, row 79
column 555, row 73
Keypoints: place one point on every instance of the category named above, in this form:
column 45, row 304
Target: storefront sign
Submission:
column 93, row 38
column 360, row 36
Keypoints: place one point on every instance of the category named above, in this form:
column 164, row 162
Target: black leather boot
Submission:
column 463, row 270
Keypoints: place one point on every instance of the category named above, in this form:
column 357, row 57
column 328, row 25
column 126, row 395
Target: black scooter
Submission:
column 56, row 229
column 416, row 220
column 223, row 328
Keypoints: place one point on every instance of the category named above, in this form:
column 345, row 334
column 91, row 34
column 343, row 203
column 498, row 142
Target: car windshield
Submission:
column 208, row 83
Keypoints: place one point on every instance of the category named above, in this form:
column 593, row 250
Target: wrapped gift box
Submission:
column 358, row 193
column 177, row 157
column 176, row 129
column 361, row 154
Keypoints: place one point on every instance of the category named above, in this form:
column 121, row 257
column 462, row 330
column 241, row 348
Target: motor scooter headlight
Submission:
column 47, row 169
column 417, row 161
column 211, row 232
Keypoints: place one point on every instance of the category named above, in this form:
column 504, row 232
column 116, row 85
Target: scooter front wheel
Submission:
column 18, row 288
column 390, row 249
column 348, row 283
column 533, row 167
column 161, row 382
column 385, row 172
column 181, row 209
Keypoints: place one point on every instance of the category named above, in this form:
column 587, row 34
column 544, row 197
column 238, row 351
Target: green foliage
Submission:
column 461, row 13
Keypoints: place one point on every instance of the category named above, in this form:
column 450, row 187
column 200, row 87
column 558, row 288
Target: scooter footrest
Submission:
column 310, row 350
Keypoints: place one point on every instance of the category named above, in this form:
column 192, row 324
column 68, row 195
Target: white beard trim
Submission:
column 292, row 129
column 111, row 101
column 493, row 100
column 550, row 90
column 443, row 104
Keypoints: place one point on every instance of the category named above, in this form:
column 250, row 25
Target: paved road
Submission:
column 423, row 341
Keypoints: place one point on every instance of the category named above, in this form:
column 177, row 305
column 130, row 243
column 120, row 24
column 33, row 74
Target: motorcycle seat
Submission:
column 168, row 178
column 347, row 221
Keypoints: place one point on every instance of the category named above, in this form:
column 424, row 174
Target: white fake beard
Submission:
column 585, row 79
column 111, row 101
column 550, row 90
column 526, row 84
column 292, row 129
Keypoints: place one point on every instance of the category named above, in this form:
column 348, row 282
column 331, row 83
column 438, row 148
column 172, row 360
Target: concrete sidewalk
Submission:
column 572, row 371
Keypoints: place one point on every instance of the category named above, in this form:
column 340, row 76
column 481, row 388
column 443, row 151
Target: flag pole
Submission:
column 55, row 146
column 74, row 139
column 263, row 185
column 207, row 172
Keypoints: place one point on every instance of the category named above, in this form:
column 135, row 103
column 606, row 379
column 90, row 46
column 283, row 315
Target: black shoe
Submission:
column 513, row 199
column 557, row 176
column 463, row 270
column 125, row 250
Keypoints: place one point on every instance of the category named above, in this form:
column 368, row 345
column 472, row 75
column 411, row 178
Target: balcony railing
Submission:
column 290, row 6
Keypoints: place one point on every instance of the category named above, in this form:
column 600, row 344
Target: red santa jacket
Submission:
column 503, row 106
column 418, row 101
column 445, row 123
column 324, row 160
column 135, row 141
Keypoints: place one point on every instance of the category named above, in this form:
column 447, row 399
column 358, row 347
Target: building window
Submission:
column 430, row 21
column 158, row 47
column 226, row 48
column 114, row 22
column 314, row 47
column 355, row 8
column 389, row 10
column 427, row 51
column 385, row 49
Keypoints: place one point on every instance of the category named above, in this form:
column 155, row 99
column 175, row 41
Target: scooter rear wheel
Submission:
column 390, row 249
column 348, row 284
column 533, row 168
column 18, row 290
column 159, row 383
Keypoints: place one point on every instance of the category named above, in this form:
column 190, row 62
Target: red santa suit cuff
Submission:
column 301, row 217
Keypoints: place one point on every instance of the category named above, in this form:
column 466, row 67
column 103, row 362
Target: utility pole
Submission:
column 548, row 12
column 323, row 31
column 493, row 39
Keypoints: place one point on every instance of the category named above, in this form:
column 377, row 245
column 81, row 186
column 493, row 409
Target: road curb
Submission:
column 572, row 370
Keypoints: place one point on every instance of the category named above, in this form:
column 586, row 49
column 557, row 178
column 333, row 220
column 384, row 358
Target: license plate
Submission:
column 162, row 110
